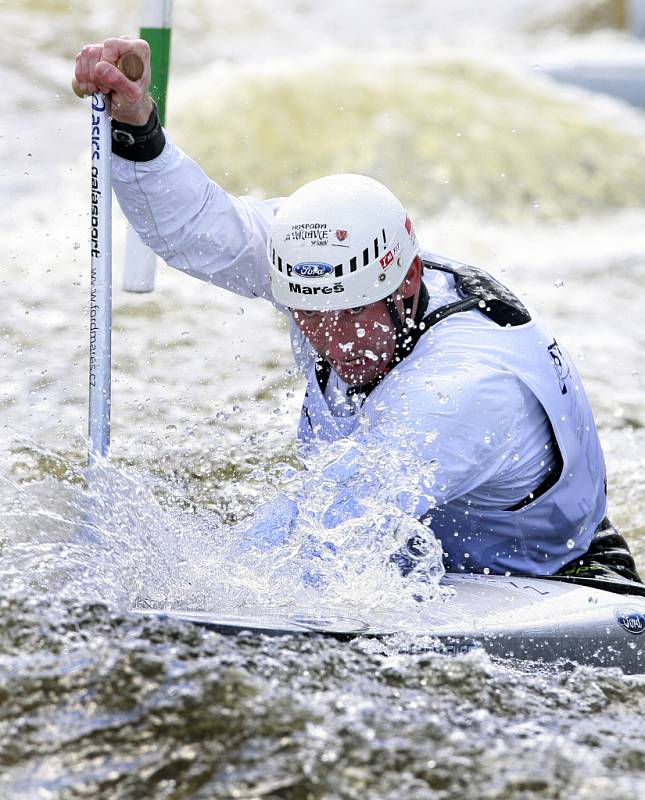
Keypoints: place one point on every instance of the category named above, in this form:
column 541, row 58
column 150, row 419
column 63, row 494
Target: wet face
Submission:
column 358, row 343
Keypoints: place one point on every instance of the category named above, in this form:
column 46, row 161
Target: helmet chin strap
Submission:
column 407, row 337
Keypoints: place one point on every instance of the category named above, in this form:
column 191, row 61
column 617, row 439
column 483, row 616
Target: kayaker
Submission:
column 413, row 351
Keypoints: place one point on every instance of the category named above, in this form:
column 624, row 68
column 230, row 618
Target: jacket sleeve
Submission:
column 193, row 224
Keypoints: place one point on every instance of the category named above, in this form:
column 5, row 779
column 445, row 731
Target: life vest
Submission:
column 555, row 523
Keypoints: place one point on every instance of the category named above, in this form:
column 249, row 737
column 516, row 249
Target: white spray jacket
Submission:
column 487, row 426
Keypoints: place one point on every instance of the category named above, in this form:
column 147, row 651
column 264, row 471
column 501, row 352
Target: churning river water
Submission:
column 541, row 184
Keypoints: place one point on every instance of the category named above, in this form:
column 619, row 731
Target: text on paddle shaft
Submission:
column 98, row 105
column 96, row 138
column 95, row 213
column 93, row 328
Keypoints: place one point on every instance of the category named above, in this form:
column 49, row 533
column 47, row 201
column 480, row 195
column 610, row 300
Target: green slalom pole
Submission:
column 155, row 29
column 156, row 26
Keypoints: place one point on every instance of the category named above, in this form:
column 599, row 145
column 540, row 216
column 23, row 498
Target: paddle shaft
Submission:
column 100, row 278
column 100, row 356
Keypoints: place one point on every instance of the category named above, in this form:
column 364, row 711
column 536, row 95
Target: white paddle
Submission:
column 101, row 278
column 101, row 264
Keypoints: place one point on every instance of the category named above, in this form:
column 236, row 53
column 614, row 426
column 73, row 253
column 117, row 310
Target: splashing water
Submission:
column 91, row 535
column 322, row 536
column 337, row 522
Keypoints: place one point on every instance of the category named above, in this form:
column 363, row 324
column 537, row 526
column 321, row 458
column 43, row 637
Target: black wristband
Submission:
column 138, row 142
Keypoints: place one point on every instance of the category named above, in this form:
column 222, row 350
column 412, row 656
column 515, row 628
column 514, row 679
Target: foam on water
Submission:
column 419, row 124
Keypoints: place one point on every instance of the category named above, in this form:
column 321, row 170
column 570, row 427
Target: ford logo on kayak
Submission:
column 631, row 621
column 312, row 269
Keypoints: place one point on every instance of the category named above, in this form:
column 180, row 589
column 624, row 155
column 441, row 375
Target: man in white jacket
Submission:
column 405, row 351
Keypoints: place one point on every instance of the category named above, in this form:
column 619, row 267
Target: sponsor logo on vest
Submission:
column 312, row 269
column 560, row 364
column 632, row 621
column 342, row 235
column 296, row 288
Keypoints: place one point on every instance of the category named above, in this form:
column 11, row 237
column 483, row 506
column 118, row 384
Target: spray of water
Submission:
column 321, row 537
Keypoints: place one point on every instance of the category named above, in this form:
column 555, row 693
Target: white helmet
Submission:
column 339, row 242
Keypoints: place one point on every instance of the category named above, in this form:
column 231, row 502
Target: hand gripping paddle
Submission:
column 130, row 65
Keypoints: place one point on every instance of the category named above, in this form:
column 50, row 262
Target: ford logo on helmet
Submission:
column 312, row 269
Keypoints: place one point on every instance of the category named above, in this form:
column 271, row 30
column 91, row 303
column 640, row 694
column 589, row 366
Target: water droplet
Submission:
column 360, row 332
column 443, row 398
column 240, row 311
column 558, row 283
column 487, row 438
column 570, row 544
